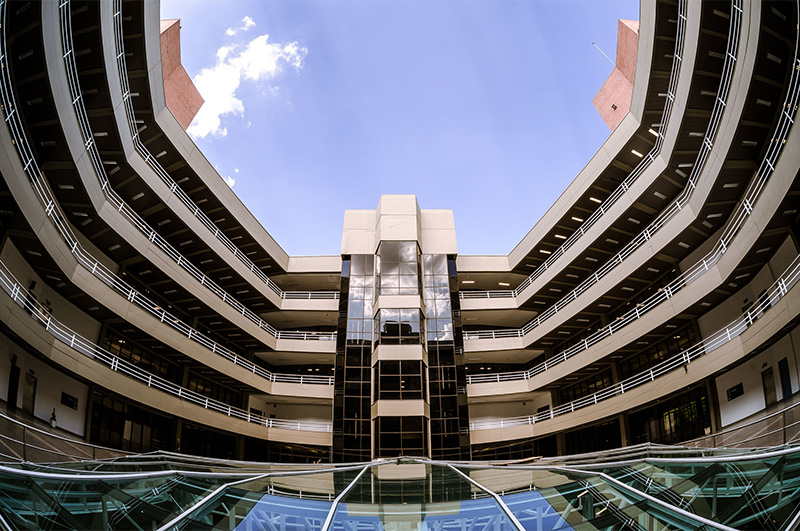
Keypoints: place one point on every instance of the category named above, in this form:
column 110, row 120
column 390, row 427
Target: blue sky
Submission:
column 482, row 107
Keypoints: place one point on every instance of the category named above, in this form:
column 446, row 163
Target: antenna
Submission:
column 604, row 54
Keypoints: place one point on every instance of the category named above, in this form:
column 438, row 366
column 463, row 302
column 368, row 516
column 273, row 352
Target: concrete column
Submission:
column 624, row 430
column 87, row 430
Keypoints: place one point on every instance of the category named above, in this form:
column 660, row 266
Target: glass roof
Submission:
column 638, row 488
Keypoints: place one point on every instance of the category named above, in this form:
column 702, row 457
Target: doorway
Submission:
column 786, row 379
column 13, row 384
column 768, row 382
column 29, row 393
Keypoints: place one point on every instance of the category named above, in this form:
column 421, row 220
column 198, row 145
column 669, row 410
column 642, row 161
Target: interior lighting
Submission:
column 595, row 200
column 637, row 153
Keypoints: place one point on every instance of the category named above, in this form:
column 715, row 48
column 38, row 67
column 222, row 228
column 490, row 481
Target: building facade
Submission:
column 145, row 308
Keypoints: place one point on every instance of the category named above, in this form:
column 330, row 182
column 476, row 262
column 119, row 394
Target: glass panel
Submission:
column 408, row 268
column 407, row 251
column 722, row 491
column 400, row 497
column 42, row 503
column 296, row 502
column 389, row 253
column 541, row 499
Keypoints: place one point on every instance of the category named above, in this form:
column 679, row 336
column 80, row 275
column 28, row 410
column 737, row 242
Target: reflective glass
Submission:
column 400, row 497
column 407, row 251
column 296, row 502
column 721, row 491
column 741, row 489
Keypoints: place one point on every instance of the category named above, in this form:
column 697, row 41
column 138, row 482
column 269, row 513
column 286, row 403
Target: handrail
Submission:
column 734, row 225
column 53, row 211
column 173, row 186
column 623, row 187
column 86, row 446
column 776, row 292
column 130, row 214
column 25, row 299
column 675, row 207
column 696, row 442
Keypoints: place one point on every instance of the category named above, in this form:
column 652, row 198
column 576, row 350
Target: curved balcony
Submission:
column 624, row 186
column 23, row 299
column 151, row 237
column 107, row 277
column 735, row 223
column 172, row 187
column 765, row 306
column 514, row 298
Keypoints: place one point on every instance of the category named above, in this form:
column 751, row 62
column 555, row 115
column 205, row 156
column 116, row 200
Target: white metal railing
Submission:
column 735, row 223
column 54, row 213
column 775, row 293
column 32, row 441
column 131, row 215
column 173, row 186
column 623, row 186
column 683, row 198
column 759, row 432
column 72, row 339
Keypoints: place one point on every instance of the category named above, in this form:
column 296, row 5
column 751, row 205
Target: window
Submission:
column 398, row 269
column 399, row 326
column 400, row 380
column 401, row 436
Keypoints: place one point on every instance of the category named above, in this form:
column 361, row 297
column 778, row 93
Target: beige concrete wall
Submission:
column 184, row 144
column 749, row 375
column 51, row 383
column 64, row 310
column 33, row 332
column 309, row 411
column 773, row 321
column 399, row 218
column 490, row 411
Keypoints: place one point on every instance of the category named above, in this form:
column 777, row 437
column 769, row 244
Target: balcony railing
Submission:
column 54, row 213
column 72, row 339
column 129, row 213
column 176, row 190
column 25, row 442
column 673, row 209
column 734, row 224
column 775, row 293
column 584, row 227
column 774, row 429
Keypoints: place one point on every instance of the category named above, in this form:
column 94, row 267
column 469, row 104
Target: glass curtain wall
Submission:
column 398, row 273
column 352, row 439
column 436, row 377
column 448, row 399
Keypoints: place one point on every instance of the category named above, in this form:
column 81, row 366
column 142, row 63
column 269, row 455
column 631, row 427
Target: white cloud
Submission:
column 236, row 170
column 258, row 60
column 248, row 23
column 230, row 181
